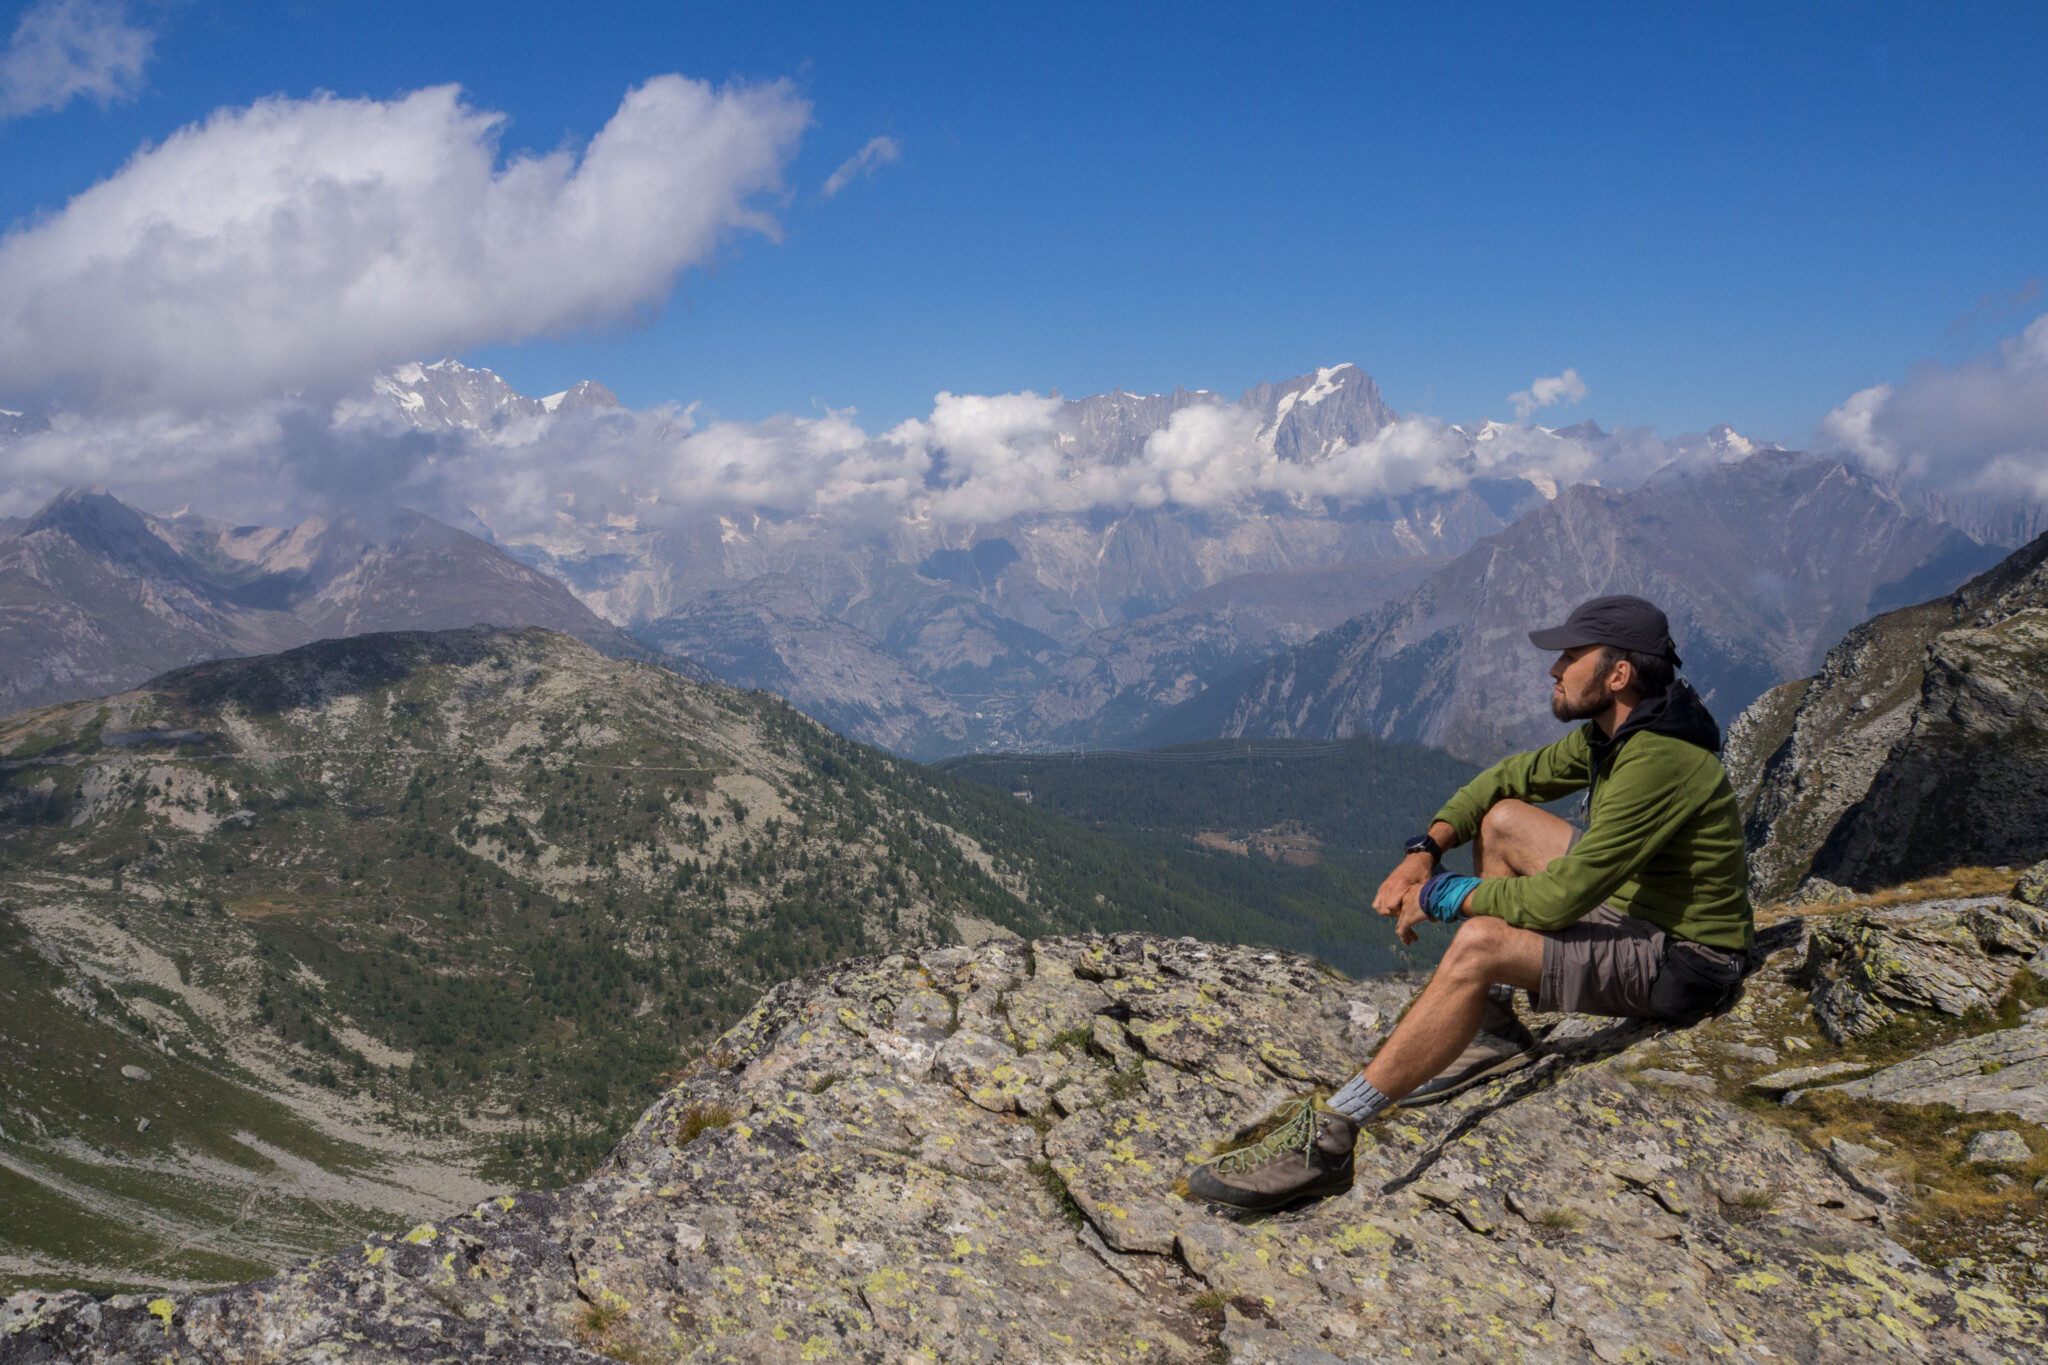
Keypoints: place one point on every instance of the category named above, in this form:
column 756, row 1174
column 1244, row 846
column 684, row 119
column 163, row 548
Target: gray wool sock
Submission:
column 1359, row 1100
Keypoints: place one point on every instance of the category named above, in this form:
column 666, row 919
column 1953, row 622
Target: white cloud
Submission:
column 880, row 151
column 1565, row 388
column 63, row 49
column 296, row 244
column 1980, row 427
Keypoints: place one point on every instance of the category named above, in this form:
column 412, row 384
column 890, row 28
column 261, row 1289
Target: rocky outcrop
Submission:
column 1918, row 747
column 1947, row 956
column 974, row 1154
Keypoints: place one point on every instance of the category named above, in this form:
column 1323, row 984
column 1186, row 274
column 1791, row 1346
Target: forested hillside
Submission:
column 1297, row 833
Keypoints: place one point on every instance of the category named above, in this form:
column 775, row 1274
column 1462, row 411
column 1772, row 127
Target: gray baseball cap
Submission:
column 1621, row 621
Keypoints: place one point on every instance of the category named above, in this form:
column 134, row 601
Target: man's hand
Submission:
column 1412, row 914
column 1399, row 887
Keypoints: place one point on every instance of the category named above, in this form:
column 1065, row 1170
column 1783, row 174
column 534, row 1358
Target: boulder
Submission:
column 2032, row 886
column 878, row 1196
column 1947, row 955
column 1999, row 1147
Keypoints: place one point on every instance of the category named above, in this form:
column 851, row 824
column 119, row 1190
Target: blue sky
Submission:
column 1737, row 213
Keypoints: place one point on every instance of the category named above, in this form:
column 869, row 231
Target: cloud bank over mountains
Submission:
column 1979, row 427
column 209, row 317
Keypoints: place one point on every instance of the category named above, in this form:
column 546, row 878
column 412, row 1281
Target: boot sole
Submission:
column 1251, row 1202
column 1500, row 1068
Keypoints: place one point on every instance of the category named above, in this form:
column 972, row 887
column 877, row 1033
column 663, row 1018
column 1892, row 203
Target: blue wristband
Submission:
column 1444, row 894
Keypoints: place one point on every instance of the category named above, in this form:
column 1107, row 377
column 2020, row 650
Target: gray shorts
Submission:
column 1606, row 963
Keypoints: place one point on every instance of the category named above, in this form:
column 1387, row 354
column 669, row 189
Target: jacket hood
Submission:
column 1679, row 712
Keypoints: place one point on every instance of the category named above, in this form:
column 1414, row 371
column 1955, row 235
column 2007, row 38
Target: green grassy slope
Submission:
column 1358, row 799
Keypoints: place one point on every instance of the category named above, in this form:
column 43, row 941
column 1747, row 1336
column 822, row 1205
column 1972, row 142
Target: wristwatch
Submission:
column 1422, row 843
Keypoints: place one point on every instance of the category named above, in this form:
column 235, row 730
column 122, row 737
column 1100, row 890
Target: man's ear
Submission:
column 1621, row 676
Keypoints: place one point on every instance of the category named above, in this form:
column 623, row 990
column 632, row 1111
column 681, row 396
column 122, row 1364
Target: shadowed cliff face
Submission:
column 973, row 1153
column 1919, row 745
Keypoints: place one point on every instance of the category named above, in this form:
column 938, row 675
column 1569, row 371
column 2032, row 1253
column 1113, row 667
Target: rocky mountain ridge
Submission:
column 96, row 596
column 1917, row 745
column 973, row 1154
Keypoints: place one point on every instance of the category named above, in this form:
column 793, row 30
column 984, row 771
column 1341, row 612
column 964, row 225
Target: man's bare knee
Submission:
column 1502, row 815
column 1492, row 951
column 1478, row 944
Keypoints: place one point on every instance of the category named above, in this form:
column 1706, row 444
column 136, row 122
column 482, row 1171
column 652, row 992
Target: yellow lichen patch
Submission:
column 165, row 1309
column 422, row 1235
column 373, row 1255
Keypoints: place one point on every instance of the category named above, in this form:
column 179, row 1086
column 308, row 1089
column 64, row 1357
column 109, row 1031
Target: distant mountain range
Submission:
column 1761, row 564
column 96, row 596
column 1268, row 613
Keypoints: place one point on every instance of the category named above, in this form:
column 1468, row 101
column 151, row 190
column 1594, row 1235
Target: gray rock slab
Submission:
column 2004, row 1073
column 2000, row 1147
column 1950, row 956
column 1803, row 1077
column 1683, row 1079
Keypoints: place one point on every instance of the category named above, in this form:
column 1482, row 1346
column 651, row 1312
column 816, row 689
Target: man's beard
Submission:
column 1594, row 703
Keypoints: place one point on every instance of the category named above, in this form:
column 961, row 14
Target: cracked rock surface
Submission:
column 1952, row 956
column 972, row 1155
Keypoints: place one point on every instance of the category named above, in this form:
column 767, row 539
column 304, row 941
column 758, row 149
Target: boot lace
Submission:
column 1295, row 1133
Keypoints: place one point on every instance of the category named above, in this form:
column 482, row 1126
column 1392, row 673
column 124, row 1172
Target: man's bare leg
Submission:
column 1515, row 840
column 1443, row 1019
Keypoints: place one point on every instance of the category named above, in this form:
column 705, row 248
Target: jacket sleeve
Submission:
column 1540, row 775
column 1641, row 805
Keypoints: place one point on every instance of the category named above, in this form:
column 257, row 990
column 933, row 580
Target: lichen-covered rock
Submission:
column 1946, row 955
column 1820, row 891
column 975, row 1155
column 2032, row 887
column 2000, row 1147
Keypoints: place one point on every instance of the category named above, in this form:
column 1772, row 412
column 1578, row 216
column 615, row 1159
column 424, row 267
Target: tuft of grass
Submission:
column 698, row 1118
column 1560, row 1220
column 1077, row 1041
column 1749, row 1206
column 1124, row 1084
column 1056, row 1185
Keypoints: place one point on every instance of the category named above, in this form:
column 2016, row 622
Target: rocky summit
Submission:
column 975, row 1153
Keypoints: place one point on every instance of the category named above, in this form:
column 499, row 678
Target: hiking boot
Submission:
column 1503, row 1044
column 1308, row 1154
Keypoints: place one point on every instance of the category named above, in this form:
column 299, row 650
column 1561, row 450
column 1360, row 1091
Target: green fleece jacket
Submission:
column 1663, row 839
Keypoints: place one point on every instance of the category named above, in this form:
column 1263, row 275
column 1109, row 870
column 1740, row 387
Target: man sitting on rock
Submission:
column 1643, row 915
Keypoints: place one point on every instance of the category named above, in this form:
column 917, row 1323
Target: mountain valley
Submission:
column 384, row 923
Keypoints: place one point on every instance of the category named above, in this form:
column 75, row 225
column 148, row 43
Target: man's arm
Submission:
column 1541, row 775
column 1642, row 804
